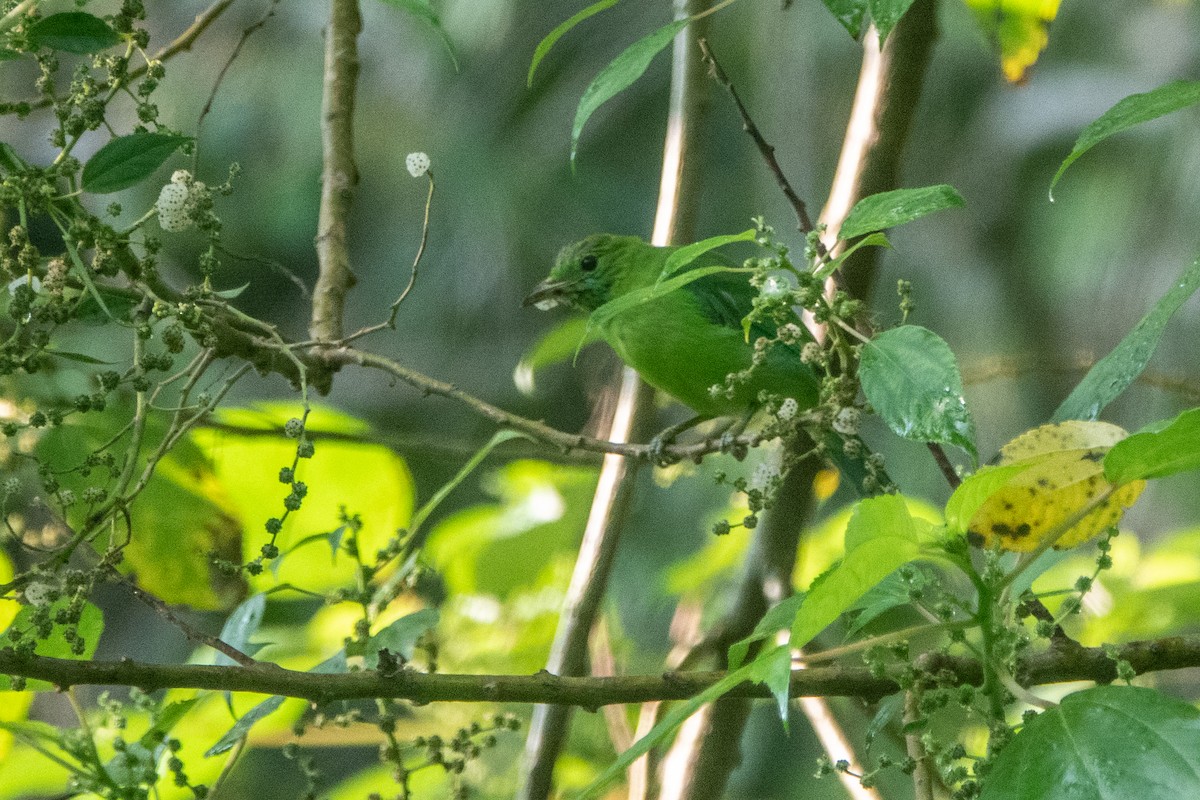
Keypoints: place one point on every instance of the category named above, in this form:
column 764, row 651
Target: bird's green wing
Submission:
column 725, row 298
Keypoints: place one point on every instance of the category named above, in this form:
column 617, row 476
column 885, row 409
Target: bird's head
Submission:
column 587, row 274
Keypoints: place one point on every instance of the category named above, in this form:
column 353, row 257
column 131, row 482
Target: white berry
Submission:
column 417, row 163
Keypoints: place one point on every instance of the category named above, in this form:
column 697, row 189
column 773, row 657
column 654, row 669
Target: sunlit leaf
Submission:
column 888, row 209
column 560, row 30
column 1113, row 374
column 1020, row 29
column 1132, row 110
column 1158, row 452
column 1074, row 751
column 912, row 380
column 91, row 625
column 1064, row 475
column 689, row 253
column 240, row 626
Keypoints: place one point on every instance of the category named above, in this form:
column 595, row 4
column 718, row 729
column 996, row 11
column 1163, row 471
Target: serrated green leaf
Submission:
column 910, row 377
column 850, row 13
column 1158, row 452
column 1113, row 374
column 689, row 253
column 886, row 13
column 975, row 490
column 73, row 32
column 1130, row 111
column 1072, row 752
column 889, row 209
column 560, row 30
column 127, row 160
column 620, row 73
column 881, row 536
column 422, row 10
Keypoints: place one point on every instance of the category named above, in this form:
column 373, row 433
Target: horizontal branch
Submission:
column 1058, row 664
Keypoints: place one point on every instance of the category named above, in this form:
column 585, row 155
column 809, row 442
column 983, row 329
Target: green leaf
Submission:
column 128, row 159
column 886, row 13
column 8, row 55
column 553, row 36
column 881, row 536
column 82, row 358
column 1105, row 742
column 888, row 209
column 168, row 718
column 910, row 377
column 557, row 345
column 647, row 293
column 849, row 13
column 422, row 10
column 499, row 438
column 400, row 637
column 974, row 491
column 689, row 253
column 240, row 626
column 780, row 616
column 335, row 664
column 620, row 73
column 91, row 625
column 1157, row 452
column 229, row 294
column 761, row 670
column 73, row 32
column 1112, row 375
column 1132, row 110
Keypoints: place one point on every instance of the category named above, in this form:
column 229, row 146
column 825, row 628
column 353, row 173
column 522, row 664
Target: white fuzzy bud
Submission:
column 181, row 176
column 172, row 206
column 787, row 409
column 774, row 287
column 846, row 421
column 810, row 353
column 417, row 164
column 37, row 593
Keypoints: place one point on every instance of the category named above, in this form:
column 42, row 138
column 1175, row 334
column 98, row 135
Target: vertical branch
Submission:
column 589, row 581
column 338, row 174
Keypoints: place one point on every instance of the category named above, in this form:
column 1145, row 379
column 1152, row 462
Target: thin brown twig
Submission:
column 944, row 464
column 767, row 150
column 237, row 50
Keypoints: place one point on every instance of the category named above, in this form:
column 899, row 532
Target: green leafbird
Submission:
column 684, row 342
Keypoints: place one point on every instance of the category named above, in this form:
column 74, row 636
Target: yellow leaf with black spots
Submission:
column 1019, row 28
column 1063, row 475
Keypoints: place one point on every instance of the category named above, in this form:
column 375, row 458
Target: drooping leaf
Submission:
column 1132, row 110
column 689, row 253
column 1019, row 28
column 1072, row 751
column 560, row 30
column 1157, row 452
column 779, row 617
column 240, row 626
column 73, row 32
column 230, row 294
column 849, row 13
column 620, row 73
column 911, row 379
column 760, row 670
column 168, row 718
column 240, row 729
column 128, row 159
column 1064, row 476
column 886, row 13
column 1113, row 374
column 889, row 209
column 422, row 10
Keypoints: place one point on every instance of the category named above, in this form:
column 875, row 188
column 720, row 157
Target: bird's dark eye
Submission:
column 587, row 263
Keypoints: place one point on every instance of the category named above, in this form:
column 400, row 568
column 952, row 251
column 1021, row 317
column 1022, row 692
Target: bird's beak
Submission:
column 547, row 294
